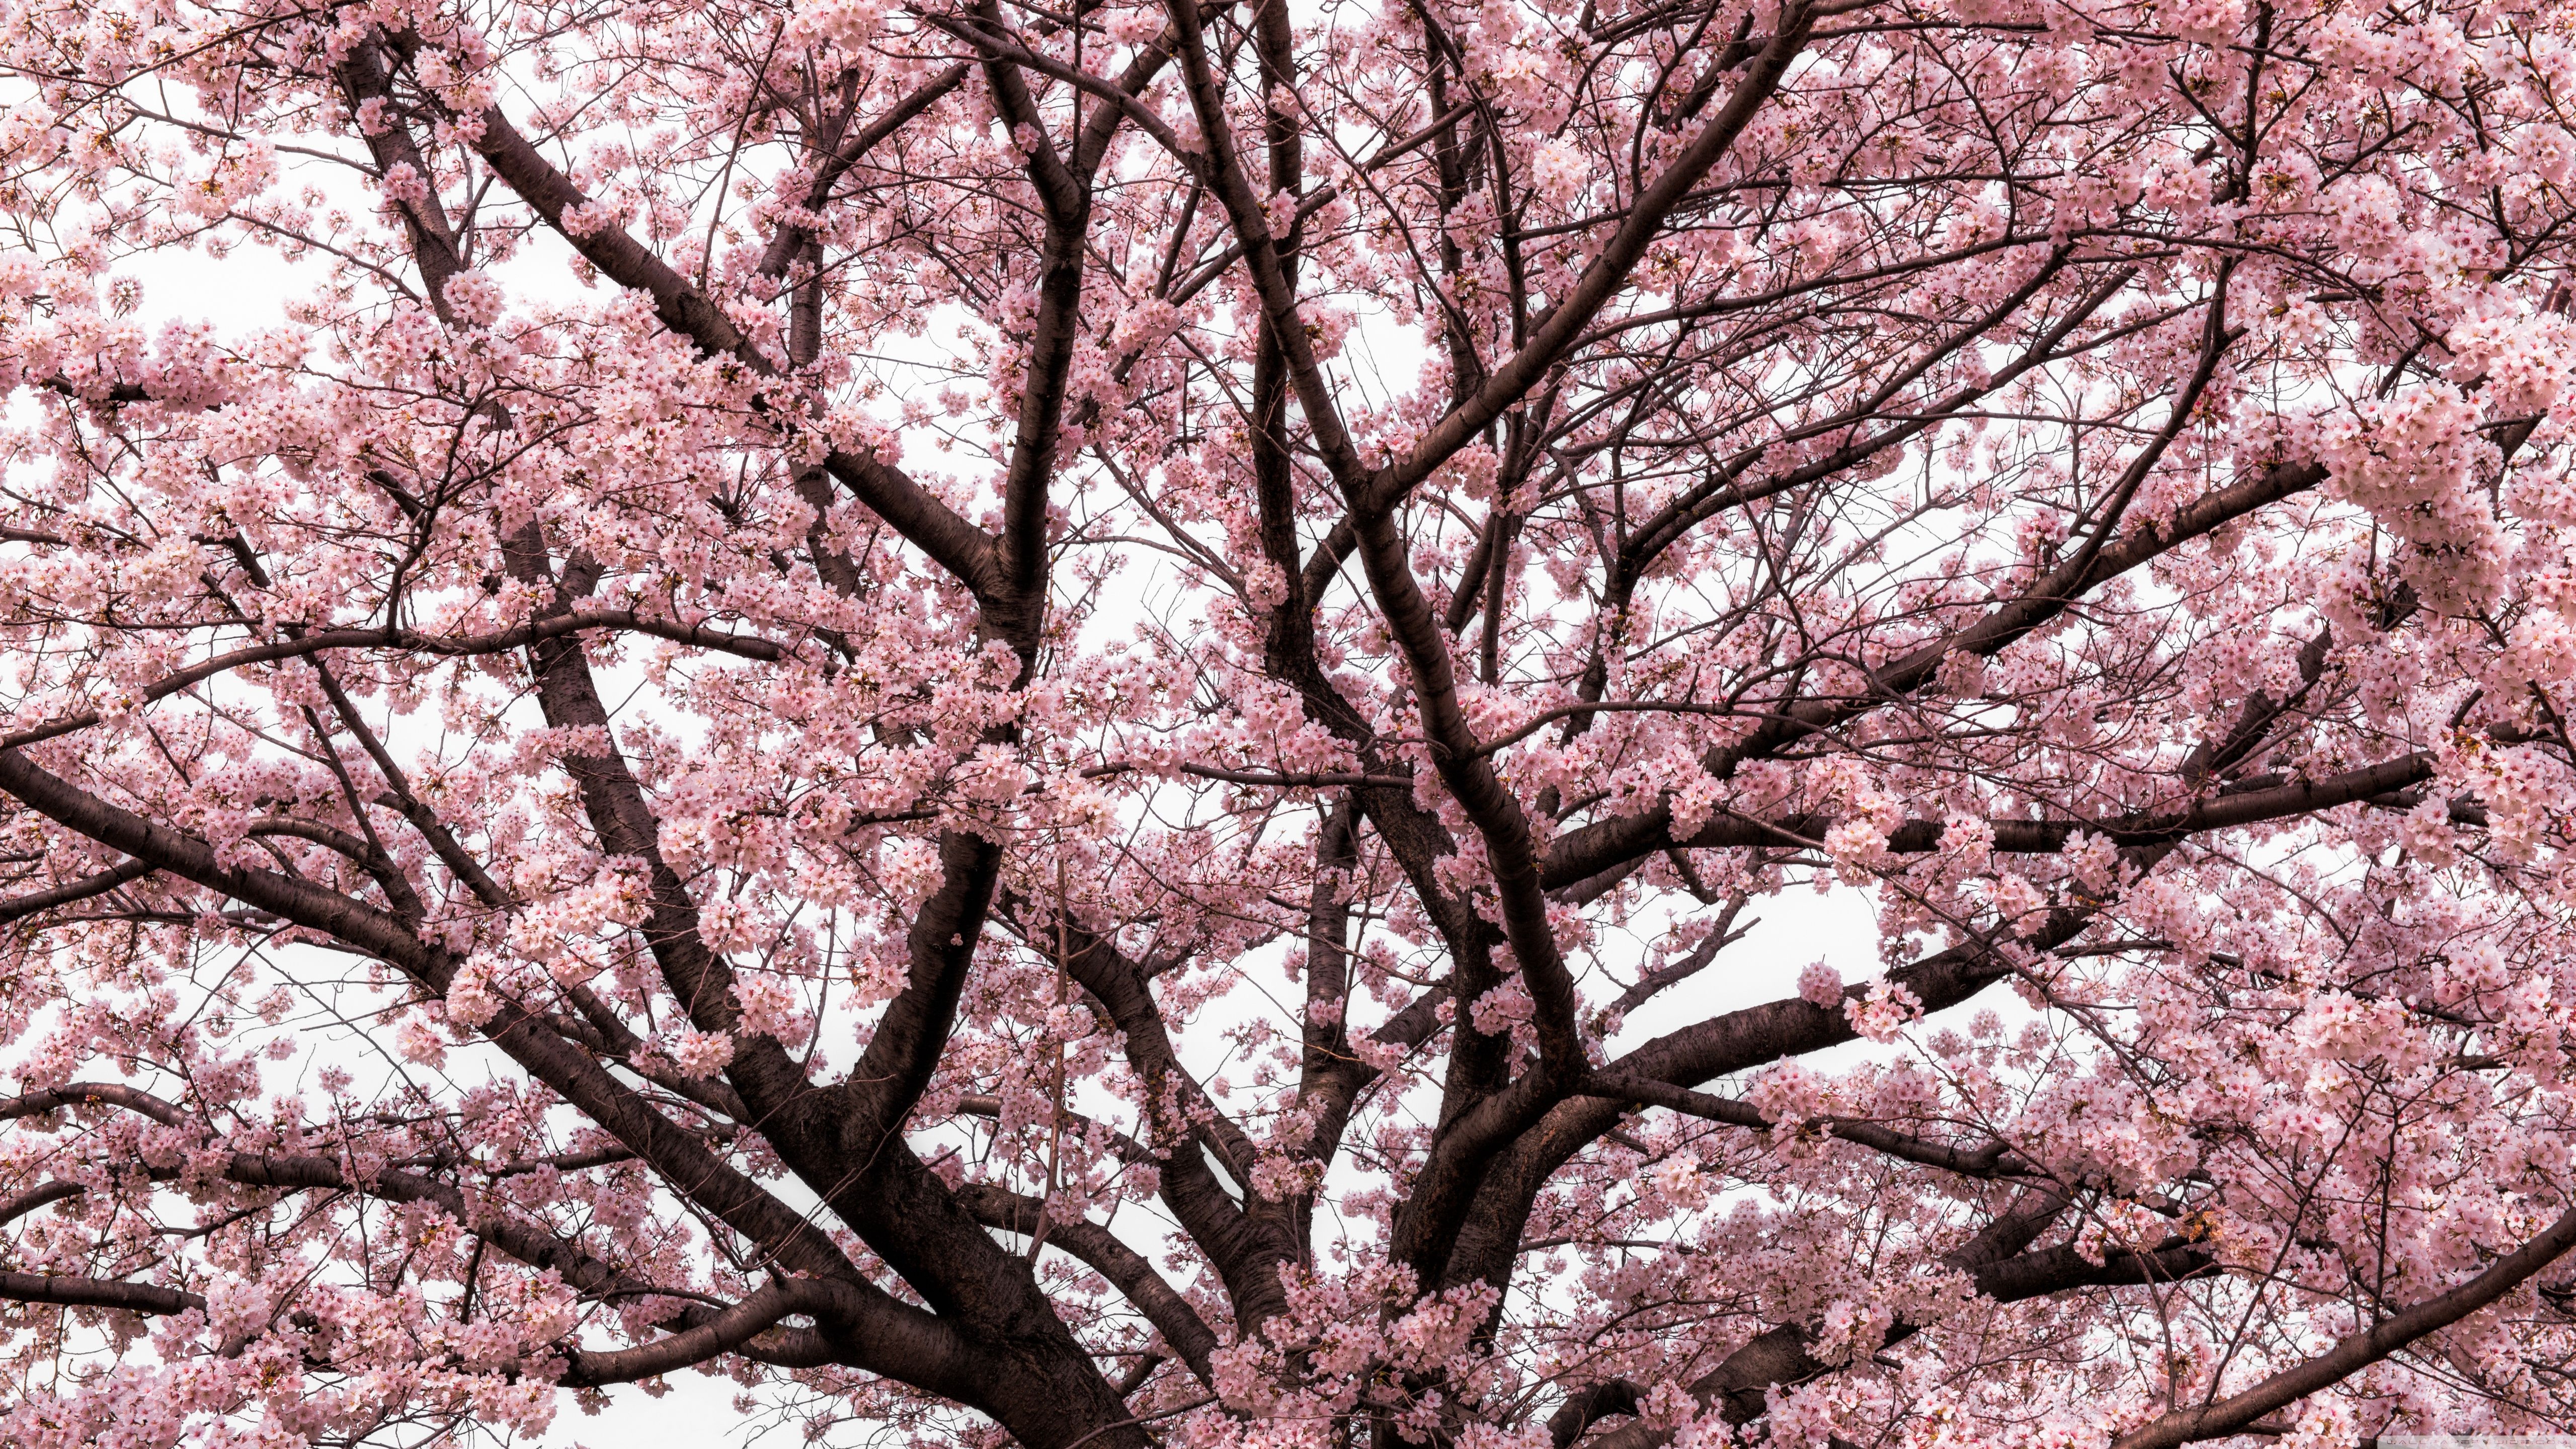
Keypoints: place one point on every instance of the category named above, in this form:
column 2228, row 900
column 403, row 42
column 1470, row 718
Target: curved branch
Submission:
column 14, row 1208
column 91, row 1094
column 1126, row 1269
column 724, row 1331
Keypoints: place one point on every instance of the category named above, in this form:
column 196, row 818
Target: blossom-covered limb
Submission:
column 97, row 883
column 2390, row 1335
column 1989, row 1159
column 1740, row 1387
column 724, row 1191
column 319, row 641
column 1575, row 858
column 929, row 523
column 1606, row 274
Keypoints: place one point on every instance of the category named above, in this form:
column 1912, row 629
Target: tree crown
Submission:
column 1049, row 725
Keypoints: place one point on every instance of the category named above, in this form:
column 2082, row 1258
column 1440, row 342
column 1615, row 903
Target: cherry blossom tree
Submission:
column 1059, row 724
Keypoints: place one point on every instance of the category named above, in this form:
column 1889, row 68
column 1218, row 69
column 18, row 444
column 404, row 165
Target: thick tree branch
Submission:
column 98, row 1293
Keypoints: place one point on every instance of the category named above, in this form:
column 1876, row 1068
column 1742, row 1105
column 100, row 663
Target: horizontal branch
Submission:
column 1992, row 1160
column 1314, row 780
column 696, row 636
column 1579, row 855
column 97, row 1293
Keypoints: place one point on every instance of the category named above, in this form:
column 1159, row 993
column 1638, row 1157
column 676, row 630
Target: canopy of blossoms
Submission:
column 1056, row 722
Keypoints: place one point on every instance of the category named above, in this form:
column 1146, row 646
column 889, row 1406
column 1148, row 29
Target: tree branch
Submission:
column 2389, row 1335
